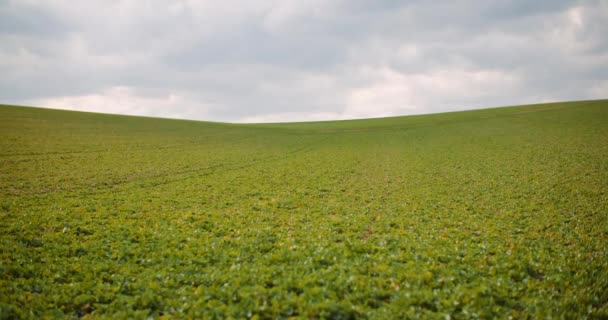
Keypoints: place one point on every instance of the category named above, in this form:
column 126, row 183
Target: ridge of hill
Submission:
column 476, row 214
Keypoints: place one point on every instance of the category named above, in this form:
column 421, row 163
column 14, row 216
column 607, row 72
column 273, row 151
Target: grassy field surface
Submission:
column 479, row 214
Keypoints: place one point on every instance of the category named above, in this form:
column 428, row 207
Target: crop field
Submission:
column 496, row 213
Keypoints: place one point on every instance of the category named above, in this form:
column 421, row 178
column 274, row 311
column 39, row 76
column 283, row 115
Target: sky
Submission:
column 299, row 60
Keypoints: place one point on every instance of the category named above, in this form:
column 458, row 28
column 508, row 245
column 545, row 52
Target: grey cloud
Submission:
column 28, row 20
column 299, row 60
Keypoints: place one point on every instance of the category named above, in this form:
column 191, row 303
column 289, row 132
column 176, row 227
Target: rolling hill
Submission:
column 492, row 213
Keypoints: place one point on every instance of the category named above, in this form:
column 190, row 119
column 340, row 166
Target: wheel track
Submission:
column 191, row 173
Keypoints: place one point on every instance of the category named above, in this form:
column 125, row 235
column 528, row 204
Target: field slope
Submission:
column 479, row 214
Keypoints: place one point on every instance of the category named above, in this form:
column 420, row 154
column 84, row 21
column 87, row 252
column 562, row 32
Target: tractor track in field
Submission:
column 108, row 150
column 164, row 178
column 141, row 183
column 207, row 171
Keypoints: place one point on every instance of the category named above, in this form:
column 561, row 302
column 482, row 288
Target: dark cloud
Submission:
column 300, row 60
column 28, row 20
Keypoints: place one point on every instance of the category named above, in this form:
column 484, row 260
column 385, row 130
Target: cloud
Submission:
column 126, row 100
column 298, row 60
column 599, row 90
column 394, row 93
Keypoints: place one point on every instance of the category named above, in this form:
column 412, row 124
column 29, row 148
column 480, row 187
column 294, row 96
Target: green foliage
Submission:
column 498, row 213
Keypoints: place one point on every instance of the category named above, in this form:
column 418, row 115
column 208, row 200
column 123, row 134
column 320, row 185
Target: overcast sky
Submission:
column 299, row 60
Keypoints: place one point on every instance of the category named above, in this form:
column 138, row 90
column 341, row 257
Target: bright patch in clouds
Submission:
column 395, row 93
column 295, row 60
column 124, row 100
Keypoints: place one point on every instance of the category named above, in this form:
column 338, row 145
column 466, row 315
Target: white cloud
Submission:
column 125, row 100
column 293, row 116
column 599, row 90
column 394, row 93
column 297, row 60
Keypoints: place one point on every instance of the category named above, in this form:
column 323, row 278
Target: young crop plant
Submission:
column 495, row 213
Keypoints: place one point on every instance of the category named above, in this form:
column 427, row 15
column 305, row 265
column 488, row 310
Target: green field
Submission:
column 479, row 214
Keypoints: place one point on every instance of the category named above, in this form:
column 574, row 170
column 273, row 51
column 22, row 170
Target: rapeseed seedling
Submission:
column 497, row 213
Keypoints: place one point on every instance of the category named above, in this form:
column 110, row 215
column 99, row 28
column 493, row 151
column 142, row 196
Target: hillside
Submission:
column 478, row 214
